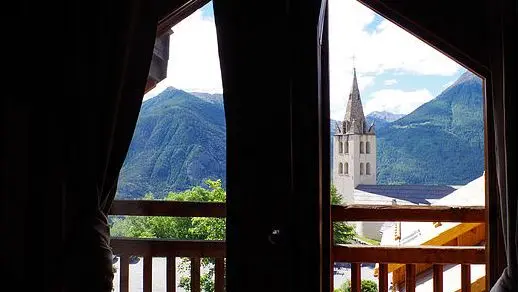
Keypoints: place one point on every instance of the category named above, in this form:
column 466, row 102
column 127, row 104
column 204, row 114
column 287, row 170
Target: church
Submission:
column 355, row 168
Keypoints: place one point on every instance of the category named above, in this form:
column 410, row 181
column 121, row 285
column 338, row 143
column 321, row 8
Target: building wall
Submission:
column 351, row 155
column 369, row 229
column 343, row 182
column 365, row 158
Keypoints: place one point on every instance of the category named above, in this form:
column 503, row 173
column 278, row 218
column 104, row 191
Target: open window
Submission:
column 420, row 116
column 177, row 159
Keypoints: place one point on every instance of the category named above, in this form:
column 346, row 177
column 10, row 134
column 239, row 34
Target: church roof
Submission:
column 354, row 119
column 403, row 194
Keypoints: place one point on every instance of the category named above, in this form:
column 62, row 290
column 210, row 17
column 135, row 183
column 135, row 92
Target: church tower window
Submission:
column 346, row 167
column 368, row 148
column 340, row 168
column 361, row 147
column 368, row 166
column 346, row 147
column 361, row 168
column 340, row 147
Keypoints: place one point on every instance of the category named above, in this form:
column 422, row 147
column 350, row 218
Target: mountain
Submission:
column 441, row 142
column 216, row 98
column 382, row 119
column 179, row 141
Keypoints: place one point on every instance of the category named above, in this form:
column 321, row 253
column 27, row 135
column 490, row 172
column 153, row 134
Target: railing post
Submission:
column 382, row 278
column 124, row 266
column 171, row 274
column 410, row 277
column 438, row 278
column 465, row 278
column 355, row 277
column 195, row 274
column 147, row 272
column 219, row 277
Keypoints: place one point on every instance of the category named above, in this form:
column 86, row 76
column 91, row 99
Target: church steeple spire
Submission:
column 355, row 85
column 354, row 120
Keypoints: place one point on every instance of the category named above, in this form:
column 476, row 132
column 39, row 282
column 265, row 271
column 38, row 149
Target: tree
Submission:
column 342, row 232
column 180, row 228
column 365, row 286
column 199, row 228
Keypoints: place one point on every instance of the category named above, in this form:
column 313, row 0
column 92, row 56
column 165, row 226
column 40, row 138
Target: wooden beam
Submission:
column 150, row 84
column 410, row 278
column 477, row 286
column 382, row 278
column 167, row 208
column 339, row 213
column 408, row 213
column 409, row 254
column 219, row 277
column 195, row 274
column 171, row 274
column 465, row 278
column 355, row 277
column 124, row 272
column 165, row 247
column 147, row 269
column 447, row 237
column 438, row 278
column 175, row 11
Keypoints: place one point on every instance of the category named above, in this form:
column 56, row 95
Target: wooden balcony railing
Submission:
column 171, row 249
column 437, row 256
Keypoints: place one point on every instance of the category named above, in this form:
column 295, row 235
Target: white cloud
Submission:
column 193, row 64
column 397, row 101
column 388, row 48
column 390, row 82
column 392, row 48
column 347, row 20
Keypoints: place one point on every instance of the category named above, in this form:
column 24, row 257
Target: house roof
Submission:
column 427, row 233
column 416, row 233
column 403, row 194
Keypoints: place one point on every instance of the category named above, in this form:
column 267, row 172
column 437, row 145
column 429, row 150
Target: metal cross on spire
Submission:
column 353, row 60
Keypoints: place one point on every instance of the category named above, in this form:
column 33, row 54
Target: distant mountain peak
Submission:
column 209, row 97
column 466, row 77
column 384, row 115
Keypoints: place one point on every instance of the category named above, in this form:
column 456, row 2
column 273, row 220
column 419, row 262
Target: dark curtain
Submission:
column 504, row 84
column 107, row 46
column 269, row 55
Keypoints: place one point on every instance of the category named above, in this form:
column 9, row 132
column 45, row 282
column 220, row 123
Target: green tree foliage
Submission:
column 199, row 228
column 180, row 228
column 342, row 232
column 365, row 286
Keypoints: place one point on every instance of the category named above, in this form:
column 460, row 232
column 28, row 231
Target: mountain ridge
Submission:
column 407, row 154
column 179, row 141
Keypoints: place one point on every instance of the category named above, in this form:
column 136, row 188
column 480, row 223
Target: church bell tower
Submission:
column 354, row 148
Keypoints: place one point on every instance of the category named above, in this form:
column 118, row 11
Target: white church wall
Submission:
column 344, row 182
column 365, row 158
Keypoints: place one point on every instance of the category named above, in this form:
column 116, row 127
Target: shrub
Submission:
column 365, row 286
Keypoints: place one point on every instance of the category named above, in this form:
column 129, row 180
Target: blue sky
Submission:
column 207, row 11
column 396, row 71
column 406, row 82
